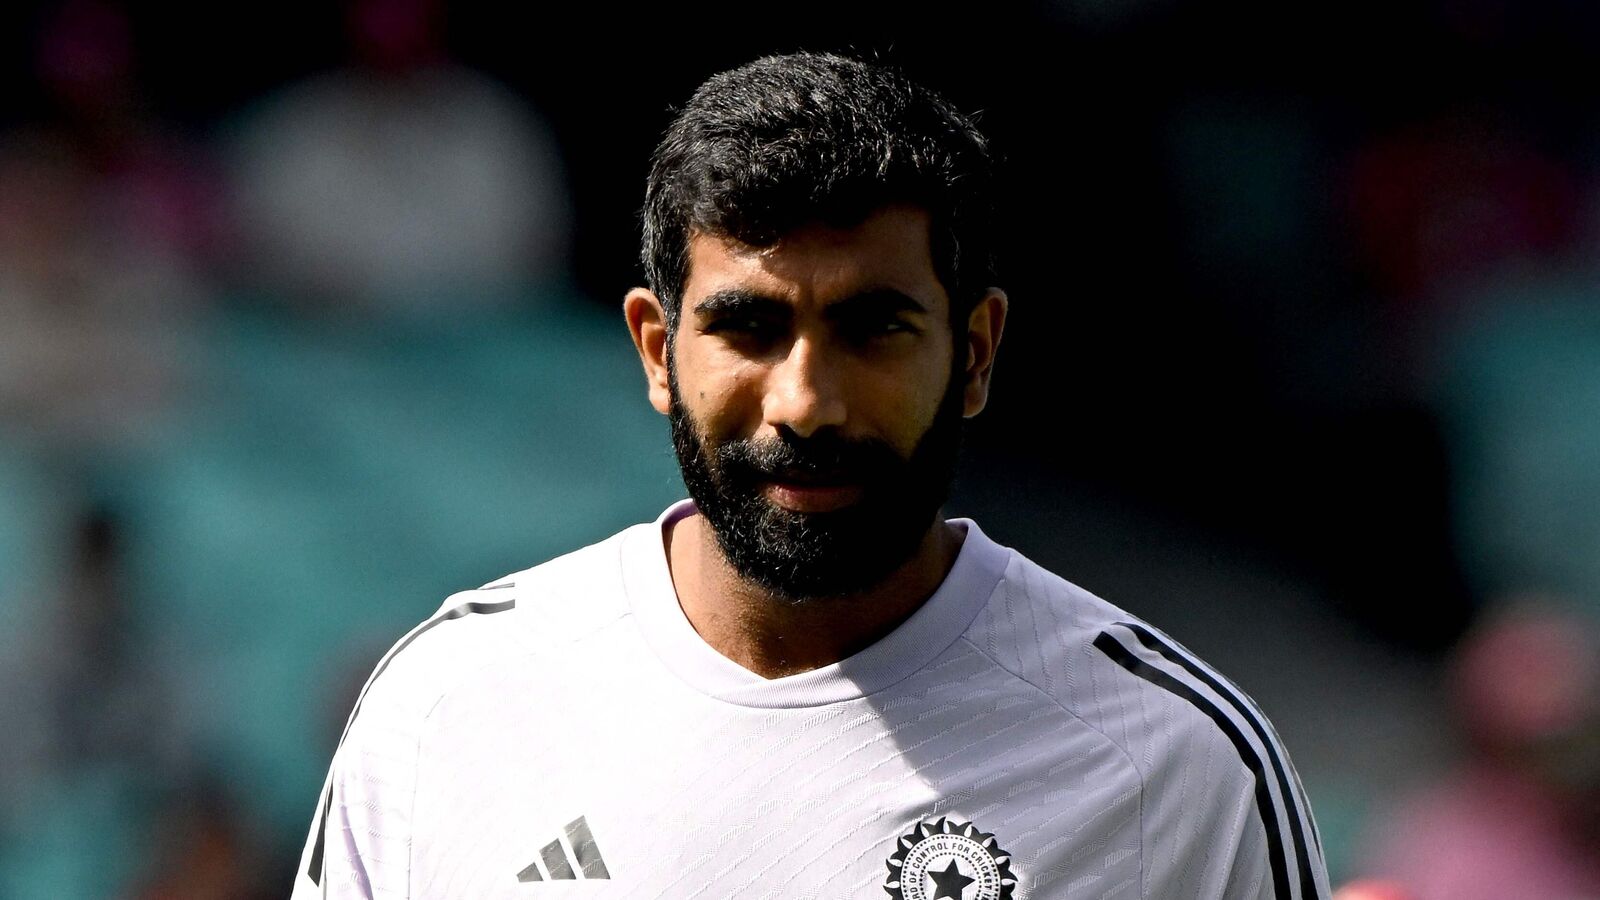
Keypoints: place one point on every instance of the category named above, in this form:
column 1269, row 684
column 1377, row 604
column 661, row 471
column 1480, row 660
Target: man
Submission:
column 806, row 683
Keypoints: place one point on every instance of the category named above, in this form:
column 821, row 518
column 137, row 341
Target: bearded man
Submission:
column 804, row 681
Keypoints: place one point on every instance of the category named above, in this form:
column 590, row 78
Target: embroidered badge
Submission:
column 946, row 860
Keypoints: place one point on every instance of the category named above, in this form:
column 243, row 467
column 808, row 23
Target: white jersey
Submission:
column 565, row 733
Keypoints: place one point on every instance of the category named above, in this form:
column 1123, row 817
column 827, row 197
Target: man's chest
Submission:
column 964, row 791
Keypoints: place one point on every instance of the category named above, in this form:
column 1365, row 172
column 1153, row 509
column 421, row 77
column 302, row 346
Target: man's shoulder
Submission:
column 1208, row 760
column 1115, row 671
column 513, row 620
column 1036, row 622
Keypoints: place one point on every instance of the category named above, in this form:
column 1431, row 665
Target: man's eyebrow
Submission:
column 883, row 300
column 737, row 300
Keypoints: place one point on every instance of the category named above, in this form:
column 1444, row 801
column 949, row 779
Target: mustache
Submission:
column 824, row 457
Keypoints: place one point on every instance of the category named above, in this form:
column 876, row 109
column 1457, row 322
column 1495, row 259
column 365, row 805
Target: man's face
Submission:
column 816, row 408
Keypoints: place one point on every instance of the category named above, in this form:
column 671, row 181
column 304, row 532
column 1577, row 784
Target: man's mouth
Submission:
column 810, row 495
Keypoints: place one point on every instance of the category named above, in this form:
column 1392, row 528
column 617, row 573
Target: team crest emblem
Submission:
column 945, row 860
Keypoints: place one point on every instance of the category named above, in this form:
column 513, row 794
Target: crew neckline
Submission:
column 926, row 633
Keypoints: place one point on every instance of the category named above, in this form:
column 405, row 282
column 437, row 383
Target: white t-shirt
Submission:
column 565, row 732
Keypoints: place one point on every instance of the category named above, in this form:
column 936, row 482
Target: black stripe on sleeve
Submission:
column 1292, row 800
column 1123, row 657
column 314, row 869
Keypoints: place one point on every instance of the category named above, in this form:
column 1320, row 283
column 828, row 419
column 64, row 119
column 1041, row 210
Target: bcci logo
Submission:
column 944, row 859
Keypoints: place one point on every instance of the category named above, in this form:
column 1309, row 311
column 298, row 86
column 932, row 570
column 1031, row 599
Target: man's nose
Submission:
column 805, row 390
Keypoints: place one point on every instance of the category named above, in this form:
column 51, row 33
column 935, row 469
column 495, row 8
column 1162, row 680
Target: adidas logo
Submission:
column 558, row 866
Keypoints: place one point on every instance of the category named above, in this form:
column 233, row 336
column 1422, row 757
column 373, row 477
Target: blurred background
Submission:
column 309, row 317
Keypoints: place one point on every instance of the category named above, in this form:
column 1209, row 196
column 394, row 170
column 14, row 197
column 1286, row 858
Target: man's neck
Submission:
column 773, row 636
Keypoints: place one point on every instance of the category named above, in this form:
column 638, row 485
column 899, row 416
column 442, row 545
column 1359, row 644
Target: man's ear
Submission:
column 984, row 327
column 647, row 323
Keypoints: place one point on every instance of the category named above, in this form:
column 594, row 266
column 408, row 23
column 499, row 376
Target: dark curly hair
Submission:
column 787, row 140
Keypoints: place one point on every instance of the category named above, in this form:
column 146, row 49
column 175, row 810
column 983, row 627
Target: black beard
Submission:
column 799, row 556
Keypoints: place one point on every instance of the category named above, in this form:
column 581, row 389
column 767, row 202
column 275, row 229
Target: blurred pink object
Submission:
column 1372, row 890
column 1517, row 820
column 1529, row 676
column 1485, row 835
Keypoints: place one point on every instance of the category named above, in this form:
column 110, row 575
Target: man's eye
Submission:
column 871, row 329
column 743, row 326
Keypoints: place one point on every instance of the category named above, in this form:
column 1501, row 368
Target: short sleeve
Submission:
column 1224, row 814
column 359, row 845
